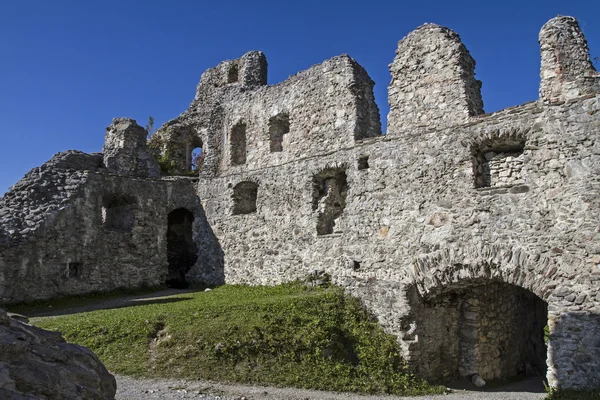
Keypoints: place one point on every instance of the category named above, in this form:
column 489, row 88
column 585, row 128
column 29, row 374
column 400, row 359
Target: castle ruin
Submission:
column 464, row 233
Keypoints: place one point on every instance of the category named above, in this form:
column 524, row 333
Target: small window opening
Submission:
column 279, row 125
column 197, row 159
column 233, row 74
column 363, row 162
column 498, row 166
column 75, row 269
column 329, row 199
column 355, row 265
column 117, row 213
column 238, row 144
column 244, row 198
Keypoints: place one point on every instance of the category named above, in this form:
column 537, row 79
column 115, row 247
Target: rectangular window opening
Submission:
column 75, row 269
column 363, row 162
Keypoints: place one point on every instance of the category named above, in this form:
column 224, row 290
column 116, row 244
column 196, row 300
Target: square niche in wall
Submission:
column 499, row 165
column 118, row 213
column 244, row 198
column 74, row 269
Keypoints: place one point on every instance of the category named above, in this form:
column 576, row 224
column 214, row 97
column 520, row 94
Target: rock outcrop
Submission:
column 39, row 364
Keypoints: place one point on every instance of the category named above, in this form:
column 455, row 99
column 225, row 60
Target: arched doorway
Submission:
column 182, row 252
column 488, row 328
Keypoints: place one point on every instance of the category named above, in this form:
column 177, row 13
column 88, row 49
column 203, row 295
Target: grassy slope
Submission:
column 285, row 335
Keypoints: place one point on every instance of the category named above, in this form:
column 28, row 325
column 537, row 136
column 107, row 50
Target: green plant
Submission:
column 150, row 126
column 564, row 394
column 167, row 164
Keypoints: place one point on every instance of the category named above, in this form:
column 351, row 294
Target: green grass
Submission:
column 286, row 335
column 558, row 394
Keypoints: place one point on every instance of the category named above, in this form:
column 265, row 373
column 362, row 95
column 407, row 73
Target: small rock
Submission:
column 477, row 380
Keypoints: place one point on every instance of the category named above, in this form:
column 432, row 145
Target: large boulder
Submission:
column 39, row 364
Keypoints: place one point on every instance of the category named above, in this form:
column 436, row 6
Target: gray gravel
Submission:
column 137, row 389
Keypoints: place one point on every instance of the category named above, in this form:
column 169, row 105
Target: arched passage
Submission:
column 492, row 329
column 195, row 155
column 182, row 252
column 479, row 310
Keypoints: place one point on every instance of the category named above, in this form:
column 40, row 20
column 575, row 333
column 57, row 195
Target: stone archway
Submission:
column 182, row 252
column 479, row 311
column 491, row 329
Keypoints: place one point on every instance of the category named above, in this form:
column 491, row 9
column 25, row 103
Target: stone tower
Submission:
column 433, row 82
column 566, row 69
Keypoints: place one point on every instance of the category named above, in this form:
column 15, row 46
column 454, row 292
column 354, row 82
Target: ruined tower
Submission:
column 433, row 82
column 566, row 70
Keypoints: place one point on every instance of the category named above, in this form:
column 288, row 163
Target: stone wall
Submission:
column 74, row 226
column 417, row 206
column 79, row 250
column 509, row 197
column 326, row 108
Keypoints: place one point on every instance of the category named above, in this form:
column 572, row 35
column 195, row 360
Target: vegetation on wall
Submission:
column 163, row 157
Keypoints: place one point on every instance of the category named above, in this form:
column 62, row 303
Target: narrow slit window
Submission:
column 363, row 162
column 75, row 269
column 238, row 144
column 197, row 157
column 329, row 199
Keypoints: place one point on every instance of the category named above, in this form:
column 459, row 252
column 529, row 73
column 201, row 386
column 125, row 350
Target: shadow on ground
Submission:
column 516, row 384
column 159, row 297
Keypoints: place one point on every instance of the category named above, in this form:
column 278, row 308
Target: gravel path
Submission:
column 171, row 389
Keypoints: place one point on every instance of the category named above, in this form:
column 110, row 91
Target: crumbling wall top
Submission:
column 126, row 151
column 248, row 71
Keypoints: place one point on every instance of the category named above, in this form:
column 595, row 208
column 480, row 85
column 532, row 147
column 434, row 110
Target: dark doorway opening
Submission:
column 182, row 252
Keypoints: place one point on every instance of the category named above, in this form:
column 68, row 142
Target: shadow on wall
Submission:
column 574, row 348
column 208, row 266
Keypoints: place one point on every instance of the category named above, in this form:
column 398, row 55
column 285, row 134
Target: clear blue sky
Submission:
column 68, row 67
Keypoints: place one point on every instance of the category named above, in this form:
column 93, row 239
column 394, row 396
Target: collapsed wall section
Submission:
column 85, row 223
column 42, row 193
column 112, row 234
